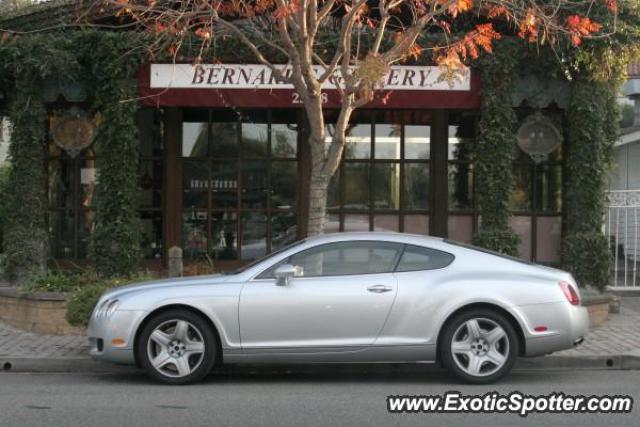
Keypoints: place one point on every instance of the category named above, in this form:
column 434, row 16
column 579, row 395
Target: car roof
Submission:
column 374, row 235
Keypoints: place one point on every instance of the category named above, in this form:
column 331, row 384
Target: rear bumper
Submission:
column 567, row 327
column 120, row 325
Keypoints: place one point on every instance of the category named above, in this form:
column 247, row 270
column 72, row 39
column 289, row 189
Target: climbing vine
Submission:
column 494, row 152
column 109, row 61
column 25, row 237
column 591, row 121
column 115, row 242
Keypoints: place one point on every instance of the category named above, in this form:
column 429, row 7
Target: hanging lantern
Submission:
column 538, row 137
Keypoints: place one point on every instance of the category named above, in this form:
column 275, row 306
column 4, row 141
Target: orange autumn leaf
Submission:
column 612, row 5
column 415, row 51
column 529, row 26
column 450, row 60
column 497, row 11
column 203, row 34
column 581, row 26
column 159, row 27
column 459, row 6
column 469, row 46
column 286, row 9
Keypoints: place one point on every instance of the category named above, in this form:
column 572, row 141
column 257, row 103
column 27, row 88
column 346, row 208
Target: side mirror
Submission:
column 285, row 272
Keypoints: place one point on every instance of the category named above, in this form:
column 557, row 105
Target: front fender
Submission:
column 218, row 302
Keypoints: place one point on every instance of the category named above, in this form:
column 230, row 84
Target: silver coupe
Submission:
column 346, row 297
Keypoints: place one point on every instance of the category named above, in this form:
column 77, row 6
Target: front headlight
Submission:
column 111, row 307
column 107, row 307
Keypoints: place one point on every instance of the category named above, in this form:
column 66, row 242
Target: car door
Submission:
column 342, row 299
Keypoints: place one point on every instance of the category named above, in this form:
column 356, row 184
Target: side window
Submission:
column 344, row 258
column 421, row 258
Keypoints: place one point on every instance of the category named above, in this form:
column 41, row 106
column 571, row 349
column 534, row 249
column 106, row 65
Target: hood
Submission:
column 165, row 283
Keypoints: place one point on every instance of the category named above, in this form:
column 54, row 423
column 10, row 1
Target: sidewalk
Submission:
column 619, row 336
column 616, row 345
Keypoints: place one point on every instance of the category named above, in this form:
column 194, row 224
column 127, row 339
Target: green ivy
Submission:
column 25, row 236
column 592, row 119
column 494, row 152
column 109, row 62
column 115, row 242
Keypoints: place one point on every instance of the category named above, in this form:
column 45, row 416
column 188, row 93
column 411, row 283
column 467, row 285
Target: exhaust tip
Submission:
column 578, row 341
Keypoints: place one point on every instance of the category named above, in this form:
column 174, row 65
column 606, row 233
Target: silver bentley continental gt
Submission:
column 346, row 297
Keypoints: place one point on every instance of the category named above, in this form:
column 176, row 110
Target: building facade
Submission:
column 223, row 163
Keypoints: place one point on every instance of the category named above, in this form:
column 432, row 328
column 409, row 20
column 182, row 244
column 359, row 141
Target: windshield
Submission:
column 264, row 258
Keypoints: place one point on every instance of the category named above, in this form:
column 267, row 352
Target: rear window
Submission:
column 420, row 258
column 488, row 251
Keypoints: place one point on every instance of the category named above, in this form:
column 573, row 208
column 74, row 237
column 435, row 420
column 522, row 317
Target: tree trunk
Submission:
column 318, row 185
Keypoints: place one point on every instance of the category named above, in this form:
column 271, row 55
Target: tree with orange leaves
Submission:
column 391, row 29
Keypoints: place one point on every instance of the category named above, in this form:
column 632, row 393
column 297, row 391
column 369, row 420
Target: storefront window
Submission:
column 378, row 185
column 150, row 181
column 239, row 200
column 358, row 142
column 386, row 186
column 417, row 142
column 537, row 203
column 71, row 194
column 460, row 176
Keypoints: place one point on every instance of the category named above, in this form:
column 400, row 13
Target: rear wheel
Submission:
column 479, row 346
column 177, row 347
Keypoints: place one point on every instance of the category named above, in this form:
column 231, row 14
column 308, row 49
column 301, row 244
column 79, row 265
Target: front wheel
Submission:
column 177, row 347
column 479, row 346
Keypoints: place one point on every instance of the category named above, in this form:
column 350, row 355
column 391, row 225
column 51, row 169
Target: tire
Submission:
column 479, row 346
column 177, row 347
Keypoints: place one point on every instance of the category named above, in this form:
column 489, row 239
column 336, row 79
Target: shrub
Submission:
column 586, row 255
column 503, row 241
column 55, row 281
column 83, row 301
column 90, row 289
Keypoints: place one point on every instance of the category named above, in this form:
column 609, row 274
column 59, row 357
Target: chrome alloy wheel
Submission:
column 480, row 347
column 176, row 348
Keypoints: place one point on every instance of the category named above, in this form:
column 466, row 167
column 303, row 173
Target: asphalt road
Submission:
column 343, row 396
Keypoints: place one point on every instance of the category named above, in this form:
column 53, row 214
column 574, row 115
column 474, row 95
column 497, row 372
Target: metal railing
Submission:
column 622, row 226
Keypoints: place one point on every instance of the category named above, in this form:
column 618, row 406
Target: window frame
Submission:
column 372, row 118
column 406, row 245
column 287, row 258
column 271, row 161
column 402, row 249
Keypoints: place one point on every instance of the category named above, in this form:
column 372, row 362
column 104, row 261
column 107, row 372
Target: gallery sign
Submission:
column 256, row 76
column 255, row 86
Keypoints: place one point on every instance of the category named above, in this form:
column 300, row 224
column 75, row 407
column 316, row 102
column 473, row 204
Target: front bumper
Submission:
column 120, row 326
column 567, row 326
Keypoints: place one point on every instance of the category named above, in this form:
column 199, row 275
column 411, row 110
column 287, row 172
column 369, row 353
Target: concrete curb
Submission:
column 603, row 362
column 87, row 365
column 60, row 365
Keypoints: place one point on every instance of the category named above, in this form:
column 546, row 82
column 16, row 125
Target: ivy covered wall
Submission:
column 115, row 242
column 25, row 246
column 494, row 152
column 591, row 121
column 106, row 63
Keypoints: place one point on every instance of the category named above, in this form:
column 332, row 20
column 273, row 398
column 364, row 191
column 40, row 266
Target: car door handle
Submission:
column 379, row 289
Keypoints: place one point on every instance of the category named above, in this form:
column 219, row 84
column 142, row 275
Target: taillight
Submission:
column 570, row 292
